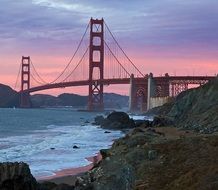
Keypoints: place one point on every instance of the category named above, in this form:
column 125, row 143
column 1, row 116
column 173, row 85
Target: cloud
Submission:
column 171, row 27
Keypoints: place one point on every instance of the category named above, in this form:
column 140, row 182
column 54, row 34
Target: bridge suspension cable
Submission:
column 37, row 81
column 97, row 29
column 77, row 49
column 79, row 62
column 116, row 58
column 123, row 50
column 17, row 78
column 40, row 78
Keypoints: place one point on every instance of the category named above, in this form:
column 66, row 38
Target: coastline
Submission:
column 68, row 176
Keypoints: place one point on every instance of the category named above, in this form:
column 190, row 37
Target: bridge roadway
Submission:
column 141, row 80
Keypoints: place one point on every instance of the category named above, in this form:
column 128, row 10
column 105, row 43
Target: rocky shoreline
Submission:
column 146, row 158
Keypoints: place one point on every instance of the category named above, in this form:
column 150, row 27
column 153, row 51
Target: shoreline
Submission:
column 68, row 176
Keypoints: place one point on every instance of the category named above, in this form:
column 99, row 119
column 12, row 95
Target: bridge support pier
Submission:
column 131, row 94
column 25, row 83
column 137, row 95
column 96, row 65
column 151, row 89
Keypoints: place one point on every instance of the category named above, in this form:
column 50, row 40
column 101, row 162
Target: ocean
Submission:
column 44, row 138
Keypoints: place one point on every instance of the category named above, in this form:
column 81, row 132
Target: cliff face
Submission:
column 194, row 109
column 16, row 176
column 197, row 109
column 8, row 97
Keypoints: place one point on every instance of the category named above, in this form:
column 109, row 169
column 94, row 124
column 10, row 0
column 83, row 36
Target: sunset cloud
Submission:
column 161, row 32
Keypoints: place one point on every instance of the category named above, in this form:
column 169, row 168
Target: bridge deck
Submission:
column 120, row 81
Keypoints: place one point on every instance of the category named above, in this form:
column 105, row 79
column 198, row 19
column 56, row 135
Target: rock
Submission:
column 143, row 123
column 52, row 186
column 104, row 153
column 75, row 147
column 99, row 120
column 137, row 130
column 194, row 109
column 118, row 120
column 118, row 116
column 152, row 154
column 16, row 176
column 107, row 132
column 152, row 130
column 47, row 185
column 64, row 187
column 161, row 121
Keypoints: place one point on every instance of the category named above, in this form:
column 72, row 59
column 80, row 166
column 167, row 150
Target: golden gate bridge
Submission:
column 102, row 62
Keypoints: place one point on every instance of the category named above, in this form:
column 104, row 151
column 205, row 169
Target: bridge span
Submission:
column 100, row 65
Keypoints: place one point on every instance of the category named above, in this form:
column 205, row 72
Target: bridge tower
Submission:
column 96, row 65
column 25, row 83
column 138, row 95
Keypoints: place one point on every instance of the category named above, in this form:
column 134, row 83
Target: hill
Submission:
column 8, row 96
column 111, row 100
column 194, row 109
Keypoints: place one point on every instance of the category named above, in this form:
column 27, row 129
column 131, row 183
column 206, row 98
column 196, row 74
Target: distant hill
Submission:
column 111, row 100
column 10, row 98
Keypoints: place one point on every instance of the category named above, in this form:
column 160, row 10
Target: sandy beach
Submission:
column 68, row 176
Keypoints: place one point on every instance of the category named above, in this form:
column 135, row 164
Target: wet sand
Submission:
column 68, row 176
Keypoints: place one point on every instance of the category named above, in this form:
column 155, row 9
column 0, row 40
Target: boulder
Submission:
column 118, row 120
column 16, row 176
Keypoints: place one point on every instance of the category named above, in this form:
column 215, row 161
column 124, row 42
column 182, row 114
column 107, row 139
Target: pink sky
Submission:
column 178, row 37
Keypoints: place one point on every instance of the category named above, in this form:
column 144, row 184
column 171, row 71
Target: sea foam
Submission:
column 50, row 150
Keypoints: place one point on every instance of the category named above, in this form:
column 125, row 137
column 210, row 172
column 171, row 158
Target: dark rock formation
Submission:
column 162, row 121
column 16, row 176
column 118, row 120
column 53, row 186
column 143, row 123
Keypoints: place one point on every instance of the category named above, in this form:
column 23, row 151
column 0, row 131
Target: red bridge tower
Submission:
column 96, row 65
column 25, row 83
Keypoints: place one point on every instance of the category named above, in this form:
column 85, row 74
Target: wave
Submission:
column 51, row 149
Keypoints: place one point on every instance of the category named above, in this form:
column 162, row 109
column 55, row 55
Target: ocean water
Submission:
column 44, row 138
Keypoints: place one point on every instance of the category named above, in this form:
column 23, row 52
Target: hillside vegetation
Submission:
column 194, row 109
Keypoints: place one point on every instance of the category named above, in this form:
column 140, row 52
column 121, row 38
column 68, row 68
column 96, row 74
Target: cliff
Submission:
column 194, row 109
